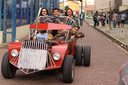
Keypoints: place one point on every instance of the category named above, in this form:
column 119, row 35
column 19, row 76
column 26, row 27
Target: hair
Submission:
column 56, row 9
column 96, row 11
column 77, row 26
column 67, row 10
column 46, row 11
column 123, row 12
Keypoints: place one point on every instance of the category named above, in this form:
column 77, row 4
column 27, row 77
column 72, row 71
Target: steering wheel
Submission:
column 62, row 37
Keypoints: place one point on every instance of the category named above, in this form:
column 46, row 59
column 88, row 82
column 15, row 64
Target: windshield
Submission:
column 61, row 34
column 52, row 19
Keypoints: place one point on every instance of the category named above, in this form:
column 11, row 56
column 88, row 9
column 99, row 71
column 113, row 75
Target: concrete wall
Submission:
column 124, row 5
column 21, row 32
column 103, row 5
column 1, row 37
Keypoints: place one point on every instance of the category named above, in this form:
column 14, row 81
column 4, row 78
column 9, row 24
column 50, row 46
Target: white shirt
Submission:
column 81, row 16
column 42, row 37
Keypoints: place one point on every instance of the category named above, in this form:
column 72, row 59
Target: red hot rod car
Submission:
column 31, row 56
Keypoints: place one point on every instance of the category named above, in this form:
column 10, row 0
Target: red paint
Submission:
column 51, row 26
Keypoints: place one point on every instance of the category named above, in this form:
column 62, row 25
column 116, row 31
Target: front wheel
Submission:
column 68, row 69
column 7, row 69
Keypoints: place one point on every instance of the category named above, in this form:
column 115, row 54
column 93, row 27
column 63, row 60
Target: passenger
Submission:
column 44, row 12
column 42, row 36
column 56, row 14
column 69, row 13
column 73, row 33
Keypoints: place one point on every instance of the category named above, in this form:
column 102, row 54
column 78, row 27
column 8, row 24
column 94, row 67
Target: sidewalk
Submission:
column 114, row 33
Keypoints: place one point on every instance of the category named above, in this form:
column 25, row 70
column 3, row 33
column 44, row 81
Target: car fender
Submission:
column 17, row 46
column 61, row 49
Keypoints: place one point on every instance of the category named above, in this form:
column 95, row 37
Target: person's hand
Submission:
column 72, row 17
column 46, row 15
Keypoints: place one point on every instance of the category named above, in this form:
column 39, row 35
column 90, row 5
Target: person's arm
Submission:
column 125, row 16
column 62, row 32
column 79, row 35
column 94, row 16
column 76, row 20
column 117, row 18
column 60, row 22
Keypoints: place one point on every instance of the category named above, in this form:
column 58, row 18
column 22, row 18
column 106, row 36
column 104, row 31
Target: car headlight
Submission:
column 14, row 53
column 56, row 56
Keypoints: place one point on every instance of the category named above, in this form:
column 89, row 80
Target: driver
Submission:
column 73, row 33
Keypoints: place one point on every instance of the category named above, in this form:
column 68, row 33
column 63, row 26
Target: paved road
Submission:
column 106, row 60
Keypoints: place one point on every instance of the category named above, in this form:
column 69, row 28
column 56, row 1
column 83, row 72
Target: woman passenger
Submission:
column 44, row 12
column 69, row 13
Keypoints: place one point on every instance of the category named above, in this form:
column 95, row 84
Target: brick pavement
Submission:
column 106, row 60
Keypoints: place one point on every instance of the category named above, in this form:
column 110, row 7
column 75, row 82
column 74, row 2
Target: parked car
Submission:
column 124, row 74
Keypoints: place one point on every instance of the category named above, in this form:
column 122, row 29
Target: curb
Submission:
column 117, row 41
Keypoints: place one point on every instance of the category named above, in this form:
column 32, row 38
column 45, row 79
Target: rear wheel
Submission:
column 78, row 56
column 7, row 69
column 68, row 69
column 87, row 55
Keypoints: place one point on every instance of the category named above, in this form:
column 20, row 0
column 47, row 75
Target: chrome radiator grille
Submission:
column 33, row 57
column 35, row 45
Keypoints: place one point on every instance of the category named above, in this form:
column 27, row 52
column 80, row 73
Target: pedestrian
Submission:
column 50, row 12
column 95, row 18
column 119, row 19
column 102, row 19
column 123, row 17
column 98, row 20
column 114, row 18
column 81, row 18
column 108, row 17
column 77, row 15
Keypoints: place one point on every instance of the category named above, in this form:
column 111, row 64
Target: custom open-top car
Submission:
column 35, row 55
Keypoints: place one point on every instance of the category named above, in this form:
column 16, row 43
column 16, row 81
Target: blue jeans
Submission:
column 98, row 22
column 114, row 23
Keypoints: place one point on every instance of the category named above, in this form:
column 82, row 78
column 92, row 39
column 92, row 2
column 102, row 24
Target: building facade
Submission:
column 73, row 5
column 116, row 5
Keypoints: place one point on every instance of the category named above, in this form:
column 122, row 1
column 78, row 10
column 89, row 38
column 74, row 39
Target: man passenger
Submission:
column 73, row 33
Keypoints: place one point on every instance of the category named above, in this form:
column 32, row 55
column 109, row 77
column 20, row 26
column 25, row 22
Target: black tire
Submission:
column 87, row 55
column 68, row 69
column 7, row 69
column 78, row 56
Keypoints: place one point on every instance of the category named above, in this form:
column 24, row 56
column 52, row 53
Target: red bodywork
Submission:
column 62, row 48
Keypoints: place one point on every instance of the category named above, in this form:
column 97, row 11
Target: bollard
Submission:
column 122, row 33
column 107, row 28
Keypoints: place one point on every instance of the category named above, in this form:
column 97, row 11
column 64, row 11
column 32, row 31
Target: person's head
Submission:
column 69, row 12
column 75, row 29
column 114, row 12
column 56, row 11
column 44, row 12
column 123, row 12
column 118, row 12
column 49, row 10
column 108, row 12
column 42, row 31
column 96, row 12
